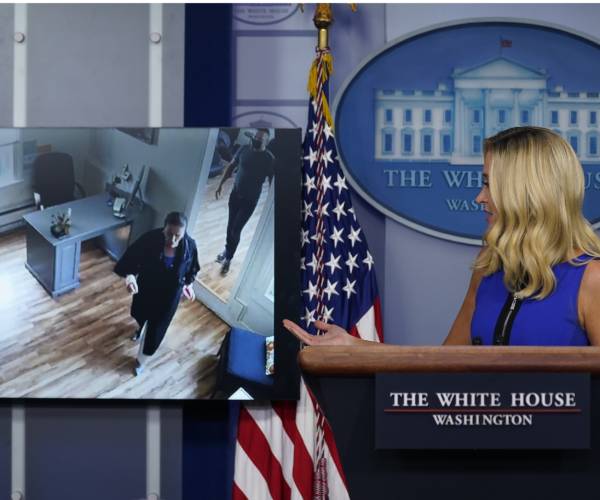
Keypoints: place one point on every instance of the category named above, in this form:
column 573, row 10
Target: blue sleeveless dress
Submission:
column 552, row 321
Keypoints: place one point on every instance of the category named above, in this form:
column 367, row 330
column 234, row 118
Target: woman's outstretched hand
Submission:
column 334, row 335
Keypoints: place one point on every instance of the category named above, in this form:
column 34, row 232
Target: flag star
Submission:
column 349, row 288
column 336, row 236
column 313, row 131
column 351, row 262
column 314, row 106
column 312, row 156
column 313, row 263
column 307, row 210
column 351, row 210
column 333, row 263
column 368, row 260
column 326, row 184
column 327, row 157
column 302, row 266
column 311, row 290
column 340, row 183
column 304, row 237
column 318, row 237
column 339, row 209
column 323, row 210
column 328, row 131
column 330, row 289
column 309, row 184
column 309, row 316
column 353, row 236
column 327, row 314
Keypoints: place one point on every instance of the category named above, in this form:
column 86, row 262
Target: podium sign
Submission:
column 482, row 410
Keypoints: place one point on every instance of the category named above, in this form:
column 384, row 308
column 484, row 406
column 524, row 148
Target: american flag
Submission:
column 286, row 449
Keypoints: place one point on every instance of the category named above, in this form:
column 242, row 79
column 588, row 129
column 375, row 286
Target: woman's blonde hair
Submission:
column 537, row 185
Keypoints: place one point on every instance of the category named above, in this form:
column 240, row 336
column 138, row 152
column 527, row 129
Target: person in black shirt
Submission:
column 254, row 164
column 158, row 268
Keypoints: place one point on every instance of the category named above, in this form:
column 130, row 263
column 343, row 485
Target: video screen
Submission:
column 149, row 263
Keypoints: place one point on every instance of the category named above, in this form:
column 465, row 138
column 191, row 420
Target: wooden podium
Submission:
column 343, row 380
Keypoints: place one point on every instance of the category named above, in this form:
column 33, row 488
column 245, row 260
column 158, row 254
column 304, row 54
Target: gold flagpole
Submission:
column 323, row 18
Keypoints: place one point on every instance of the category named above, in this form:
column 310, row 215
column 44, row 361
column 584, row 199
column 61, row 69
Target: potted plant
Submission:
column 61, row 224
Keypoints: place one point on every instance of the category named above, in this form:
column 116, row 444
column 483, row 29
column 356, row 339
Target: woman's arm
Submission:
column 131, row 260
column 460, row 333
column 333, row 334
column 194, row 266
column 589, row 302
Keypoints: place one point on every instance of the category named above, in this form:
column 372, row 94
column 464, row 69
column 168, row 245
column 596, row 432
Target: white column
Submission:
column 516, row 108
column 487, row 122
column 20, row 65
column 153, row 452
column 465, row 125
column 155, row 66
column 545, row 110
column 17, row 458
column 458, row 123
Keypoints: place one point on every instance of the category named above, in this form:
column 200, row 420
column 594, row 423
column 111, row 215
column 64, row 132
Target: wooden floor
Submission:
column 79, row 346
column 210, row 231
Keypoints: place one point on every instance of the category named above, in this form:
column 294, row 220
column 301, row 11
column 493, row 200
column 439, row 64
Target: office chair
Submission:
column 54, row 180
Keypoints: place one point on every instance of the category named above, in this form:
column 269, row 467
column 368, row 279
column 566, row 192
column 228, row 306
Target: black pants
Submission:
column 240, row 210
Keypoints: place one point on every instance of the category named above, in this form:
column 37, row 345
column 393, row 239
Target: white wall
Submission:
column 174, row 164
column 72, row 141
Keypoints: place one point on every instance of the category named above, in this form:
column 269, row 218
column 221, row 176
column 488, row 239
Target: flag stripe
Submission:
column 249, row 483
column 369, row 326
column 238, row 494
column 338, row 488
column 282, row 447
column 303, row 464
column 335, row 458
column 328, row 434
column 305, row 420
column 258, row 449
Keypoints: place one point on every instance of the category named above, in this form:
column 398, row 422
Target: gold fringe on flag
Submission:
column 313, row 84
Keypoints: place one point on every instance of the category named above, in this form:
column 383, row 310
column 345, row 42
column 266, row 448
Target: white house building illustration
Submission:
column 450, row 126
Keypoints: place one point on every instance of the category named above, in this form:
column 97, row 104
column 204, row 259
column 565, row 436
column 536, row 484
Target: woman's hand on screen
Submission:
column 334, row 335
column 131, row 284
column 188, row 292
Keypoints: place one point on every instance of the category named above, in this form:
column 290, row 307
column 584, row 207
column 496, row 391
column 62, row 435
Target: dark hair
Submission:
column 176, row 219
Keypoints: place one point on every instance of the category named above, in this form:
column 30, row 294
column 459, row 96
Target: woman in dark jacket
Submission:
column 158, row 268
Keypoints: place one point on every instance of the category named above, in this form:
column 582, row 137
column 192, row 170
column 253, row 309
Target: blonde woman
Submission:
column 536, row 280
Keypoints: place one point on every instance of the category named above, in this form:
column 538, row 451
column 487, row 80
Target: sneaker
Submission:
column 136, row 336
column 138, row 369
column 225, row 267
column 221, row 257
